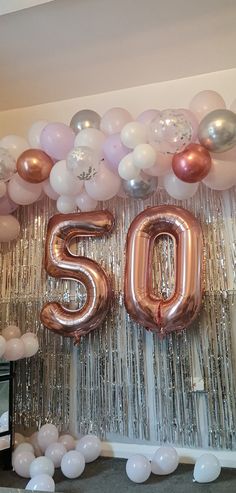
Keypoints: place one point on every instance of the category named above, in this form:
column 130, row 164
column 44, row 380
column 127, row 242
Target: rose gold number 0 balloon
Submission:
column 61, row 263
column 181, row 308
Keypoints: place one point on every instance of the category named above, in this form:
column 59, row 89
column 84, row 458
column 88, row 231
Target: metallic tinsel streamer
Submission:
column 128, row 384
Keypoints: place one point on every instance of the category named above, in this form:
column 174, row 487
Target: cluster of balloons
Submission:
column 96, row 158
column 38, row 456
column 15, row 346
column 165, row 461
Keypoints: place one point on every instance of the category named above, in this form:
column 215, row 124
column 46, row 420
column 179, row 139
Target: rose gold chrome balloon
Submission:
column 178, row 311
column 61, row 263
column 192, row 164
column 34, row 165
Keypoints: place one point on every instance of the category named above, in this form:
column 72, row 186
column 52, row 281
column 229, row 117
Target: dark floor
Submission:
column 108, row 476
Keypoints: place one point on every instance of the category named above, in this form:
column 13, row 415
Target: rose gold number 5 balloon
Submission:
column 61, row 263
column 181, row 308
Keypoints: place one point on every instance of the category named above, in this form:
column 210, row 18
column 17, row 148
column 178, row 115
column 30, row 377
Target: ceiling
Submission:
column 70, row 48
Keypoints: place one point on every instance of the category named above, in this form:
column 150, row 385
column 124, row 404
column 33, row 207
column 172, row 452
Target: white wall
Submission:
column 175, row 93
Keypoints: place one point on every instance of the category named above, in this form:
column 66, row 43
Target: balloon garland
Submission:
column 94, row 159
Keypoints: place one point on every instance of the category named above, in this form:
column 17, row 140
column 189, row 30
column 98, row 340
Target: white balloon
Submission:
column 4, row 420
column 177, row 188
column 22, row 447
column 34, row 441
column 207, row 468
column 42, row 482
column 48, row 190
column 42, row 465
column 14, row 144
column 11, row 331
column 138, row 468
column 21, row 463
column 31, row 344
column 3, row 189
column 66, row 204
column 63, row 182
column 85, row 203
column 164, row 461
column 47, row 434
column 2, row 345
column 68, row 441
column 221, row 176
column 22, row 192
column 126, row 169
column 91, row 137
column 9, row 228
column 34, row 133
column 18, row 439
column 144, row 156
column 55, row 452
column 133, row 134
column 14, row 350
column 90, row 446
column 72, row 464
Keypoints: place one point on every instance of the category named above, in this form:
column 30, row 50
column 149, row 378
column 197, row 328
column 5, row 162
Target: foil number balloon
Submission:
column 61, row 263
column 181, row 308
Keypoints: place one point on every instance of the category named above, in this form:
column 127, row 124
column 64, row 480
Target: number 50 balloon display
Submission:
column 154, row 313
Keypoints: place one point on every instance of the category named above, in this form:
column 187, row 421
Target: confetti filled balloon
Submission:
column 83, row 163
column 7, row 164
column 171, row 131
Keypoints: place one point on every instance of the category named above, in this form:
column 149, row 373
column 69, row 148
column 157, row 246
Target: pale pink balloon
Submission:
column 206, row 101
column 48, row 190
column 47, row 434
column 7, row 206
column 31, row 344
column 147, row 116
column 14, row 350
column 221, row 175
column 68, row 441
column 225, row 156
column 57, row 139
column 114, row 120
column 162, row 166
column 9, row 228
column 85, row 203
column 22, row 463
column 104, row 185
column 3, row 189
column 22, row 192
column 11, row 332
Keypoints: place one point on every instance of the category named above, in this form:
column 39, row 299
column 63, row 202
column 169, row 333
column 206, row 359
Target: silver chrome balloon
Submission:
column 217, row 130
column 141, row 187
column 85, row 119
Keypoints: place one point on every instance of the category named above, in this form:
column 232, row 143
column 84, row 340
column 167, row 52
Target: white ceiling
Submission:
column 70, row 48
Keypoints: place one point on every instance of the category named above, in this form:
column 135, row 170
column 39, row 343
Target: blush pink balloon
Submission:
column 162, row 166
column 114, row 120
column 57, row 140
column 104, row 185
column 114, row 151
column 204, row 102
column 23, row 192
column 147, row 116
column 7, row 206
column 14, row 350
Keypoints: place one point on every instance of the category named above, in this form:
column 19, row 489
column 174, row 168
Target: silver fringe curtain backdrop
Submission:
column 128, row 385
